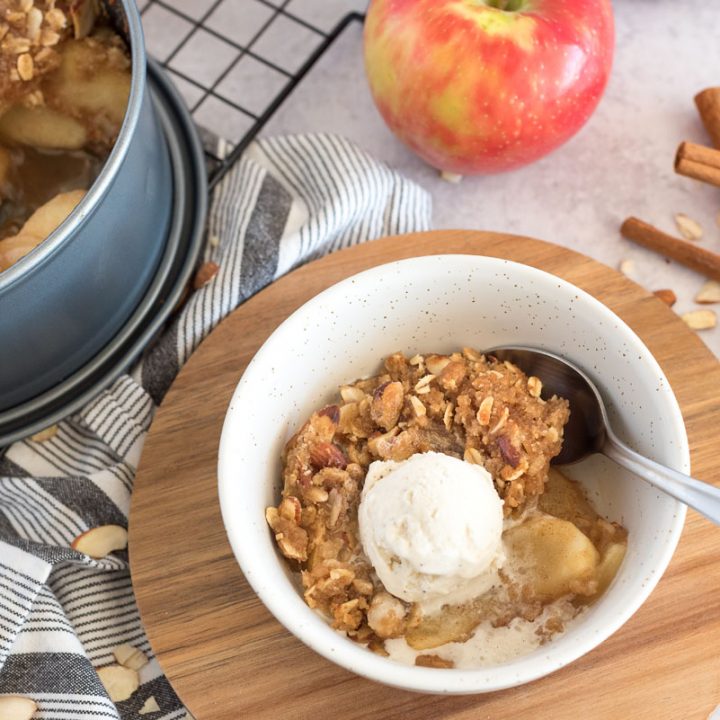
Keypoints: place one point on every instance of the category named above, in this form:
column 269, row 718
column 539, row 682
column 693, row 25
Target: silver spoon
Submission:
column 588, row 430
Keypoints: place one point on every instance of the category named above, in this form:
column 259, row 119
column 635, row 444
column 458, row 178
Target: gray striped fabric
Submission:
column 287, row 201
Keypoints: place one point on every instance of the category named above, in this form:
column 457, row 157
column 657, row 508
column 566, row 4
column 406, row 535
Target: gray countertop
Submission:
column 620, row 164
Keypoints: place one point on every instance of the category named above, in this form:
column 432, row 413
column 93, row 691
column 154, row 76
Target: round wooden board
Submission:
column 228, row 658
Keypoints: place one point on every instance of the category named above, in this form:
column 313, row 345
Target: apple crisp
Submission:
column 472, row 407
column 65, row 78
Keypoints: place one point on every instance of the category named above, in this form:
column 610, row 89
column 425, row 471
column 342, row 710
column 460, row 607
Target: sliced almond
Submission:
column 667, row 296
column 451, row 177
column 418, row 407
column 436, row 363
column 119, row 682
column 423, row 384
column 709, row 293
column 627, row 268
column 700, row 319
column 45, row 434
column 15, row 707
column 688, row 228
column 448, row 415
column 130, row 657
column 149, row 706
column 100, row 541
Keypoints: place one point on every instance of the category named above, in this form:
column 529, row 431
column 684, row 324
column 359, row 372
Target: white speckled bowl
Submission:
column 439, row 304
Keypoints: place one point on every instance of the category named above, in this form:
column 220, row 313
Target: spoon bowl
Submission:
column 588, row 430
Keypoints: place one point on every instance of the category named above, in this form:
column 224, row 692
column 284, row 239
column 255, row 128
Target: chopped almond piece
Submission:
column 667, row 296
column 15, row 707
column 45, row 434
column 119, row 682
column 130, row 657
column 149, row 706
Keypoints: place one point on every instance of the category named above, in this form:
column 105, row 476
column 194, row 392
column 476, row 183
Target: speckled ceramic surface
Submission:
column 439, row 304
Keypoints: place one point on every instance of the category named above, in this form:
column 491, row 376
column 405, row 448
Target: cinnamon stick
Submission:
column 708, row 105
column 688, row 254
column 698, row 162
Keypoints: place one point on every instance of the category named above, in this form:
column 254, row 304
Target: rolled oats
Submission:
column 534, row 385
column 436, row 363
column 16, row 45
column 49, row 38
column 25, row 67
column 33, row 24
column 56, row 19
column 15, row 18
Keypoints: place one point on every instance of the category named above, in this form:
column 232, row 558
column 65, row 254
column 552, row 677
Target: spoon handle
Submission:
column 700, row 496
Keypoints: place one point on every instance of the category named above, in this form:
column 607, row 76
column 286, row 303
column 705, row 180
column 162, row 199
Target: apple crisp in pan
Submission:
column 64, row 85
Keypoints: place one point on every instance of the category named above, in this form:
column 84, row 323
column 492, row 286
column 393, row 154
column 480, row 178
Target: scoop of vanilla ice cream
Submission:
column 431, row 526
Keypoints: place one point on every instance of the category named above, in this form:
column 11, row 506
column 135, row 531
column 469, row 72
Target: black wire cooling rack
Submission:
column 236, row 61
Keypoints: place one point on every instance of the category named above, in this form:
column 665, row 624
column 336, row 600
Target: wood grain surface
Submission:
column 228, row 658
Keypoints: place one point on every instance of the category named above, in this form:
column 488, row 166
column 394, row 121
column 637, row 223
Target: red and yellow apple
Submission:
column 482, row 86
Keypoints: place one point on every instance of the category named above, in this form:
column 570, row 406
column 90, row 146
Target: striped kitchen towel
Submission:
column 62, row 613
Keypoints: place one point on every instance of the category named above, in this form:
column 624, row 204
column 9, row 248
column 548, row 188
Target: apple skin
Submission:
column 476, row 90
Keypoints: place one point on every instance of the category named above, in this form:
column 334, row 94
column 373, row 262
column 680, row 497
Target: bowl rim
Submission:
column 111, row 167
column 317, row 634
